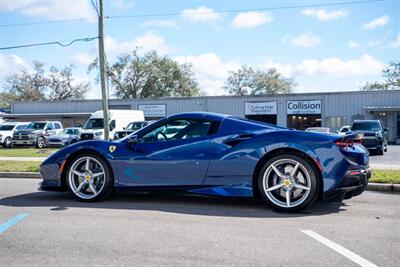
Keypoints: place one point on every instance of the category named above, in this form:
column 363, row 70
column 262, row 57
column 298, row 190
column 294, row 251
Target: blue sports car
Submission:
column 215, row 154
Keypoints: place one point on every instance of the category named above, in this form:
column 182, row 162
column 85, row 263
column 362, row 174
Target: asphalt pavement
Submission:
column 52, row 229
column 389, row 161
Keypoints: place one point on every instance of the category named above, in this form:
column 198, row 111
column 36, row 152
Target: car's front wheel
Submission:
column 7, row 142
column 41, row 143
column 288, row 182
column 89, row 178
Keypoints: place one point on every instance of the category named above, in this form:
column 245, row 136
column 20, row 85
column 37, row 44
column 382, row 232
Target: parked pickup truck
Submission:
column 34, row 134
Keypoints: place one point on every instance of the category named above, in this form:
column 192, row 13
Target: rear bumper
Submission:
column 353, row 184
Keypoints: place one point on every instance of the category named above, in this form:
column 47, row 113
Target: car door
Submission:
column 50, row 129
column 175, row 153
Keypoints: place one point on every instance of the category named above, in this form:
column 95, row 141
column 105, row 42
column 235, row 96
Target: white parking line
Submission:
column 339, row 249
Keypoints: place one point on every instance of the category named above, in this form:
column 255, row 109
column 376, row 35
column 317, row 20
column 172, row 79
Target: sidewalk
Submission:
column 23, row 158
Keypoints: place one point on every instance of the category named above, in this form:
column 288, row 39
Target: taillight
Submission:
column 345, row 144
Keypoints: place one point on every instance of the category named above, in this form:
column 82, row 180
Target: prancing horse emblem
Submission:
column 112, row 149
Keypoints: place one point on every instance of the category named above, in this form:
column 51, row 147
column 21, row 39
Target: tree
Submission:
column 62, row 86
column 150, row 75
column 25, row 86
column 391, row 76
column 37, row 85
column 246, row 81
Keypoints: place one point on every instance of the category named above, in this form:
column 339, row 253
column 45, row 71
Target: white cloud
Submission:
column 251, row 20
column 305, row 40
column 322, row 14
column 50, row 9
column 352, row 44
column 147, row 42
column 335, row 67
column 202, row 14
column 163, row 23
column 378, row 22
column 396, row 42
column 11, row 64
column 82, row 59
column 210, row 70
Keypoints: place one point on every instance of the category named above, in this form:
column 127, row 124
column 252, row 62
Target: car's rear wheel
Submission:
column 288, row 182
column 7, row 142
column 89, row 178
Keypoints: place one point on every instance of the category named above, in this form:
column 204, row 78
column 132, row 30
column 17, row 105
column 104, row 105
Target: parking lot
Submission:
column 159, row 230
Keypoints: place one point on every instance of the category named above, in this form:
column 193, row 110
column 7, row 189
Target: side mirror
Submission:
column 49, row 129
column 124, row 128
column 133, row 140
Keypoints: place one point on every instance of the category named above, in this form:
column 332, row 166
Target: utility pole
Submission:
column 104, row 88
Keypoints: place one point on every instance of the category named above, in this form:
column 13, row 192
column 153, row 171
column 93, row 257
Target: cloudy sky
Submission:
column 324, row 48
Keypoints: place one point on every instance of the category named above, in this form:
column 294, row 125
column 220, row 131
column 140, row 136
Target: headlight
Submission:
column 379, row 134
column 99, row 133
column 32, row 135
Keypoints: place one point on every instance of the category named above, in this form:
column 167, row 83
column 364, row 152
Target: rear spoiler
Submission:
column 349, row 140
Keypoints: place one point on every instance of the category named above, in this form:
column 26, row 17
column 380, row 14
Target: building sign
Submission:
column 304, row 107
column 153, row 110
column 260, row 108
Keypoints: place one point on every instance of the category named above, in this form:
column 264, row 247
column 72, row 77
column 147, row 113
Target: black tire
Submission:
column 309, row 198
column 41, row 143
column 108, row 187
column 7, row 142
column 380, row 151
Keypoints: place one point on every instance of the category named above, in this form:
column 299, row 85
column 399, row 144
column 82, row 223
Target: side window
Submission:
column 112, row 125
column 178, row 129
column 19, row 127
column 50, row 126
column 57, row 125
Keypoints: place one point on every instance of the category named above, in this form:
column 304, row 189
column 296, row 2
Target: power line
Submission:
column 50, row 43
column 95, row 7
column 248, row 10
column 179, row 13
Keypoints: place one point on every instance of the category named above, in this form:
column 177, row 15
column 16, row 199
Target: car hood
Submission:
column 29, row 131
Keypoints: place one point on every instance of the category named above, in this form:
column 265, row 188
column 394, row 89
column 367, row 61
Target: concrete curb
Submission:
column 36, row 175
column 23, row 175
column 384, row 187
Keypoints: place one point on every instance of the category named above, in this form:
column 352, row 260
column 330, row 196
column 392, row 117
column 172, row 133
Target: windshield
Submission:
column 135, row 125
column 69, row 131
column 94, row 124
column 6, row 127
column 36, row 125
column 366, row 126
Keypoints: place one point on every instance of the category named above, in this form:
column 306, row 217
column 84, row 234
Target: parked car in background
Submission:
column 318, row 129
column 375, row 136
column 7, row 130
column 131, row 128
column 344, row 130
column 94, row 127
column 66, row 137
column 34, row 133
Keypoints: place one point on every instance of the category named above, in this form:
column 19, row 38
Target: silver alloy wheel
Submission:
column 40, row 142
column 86, row 177
column 286, row 183
column 7, row 142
